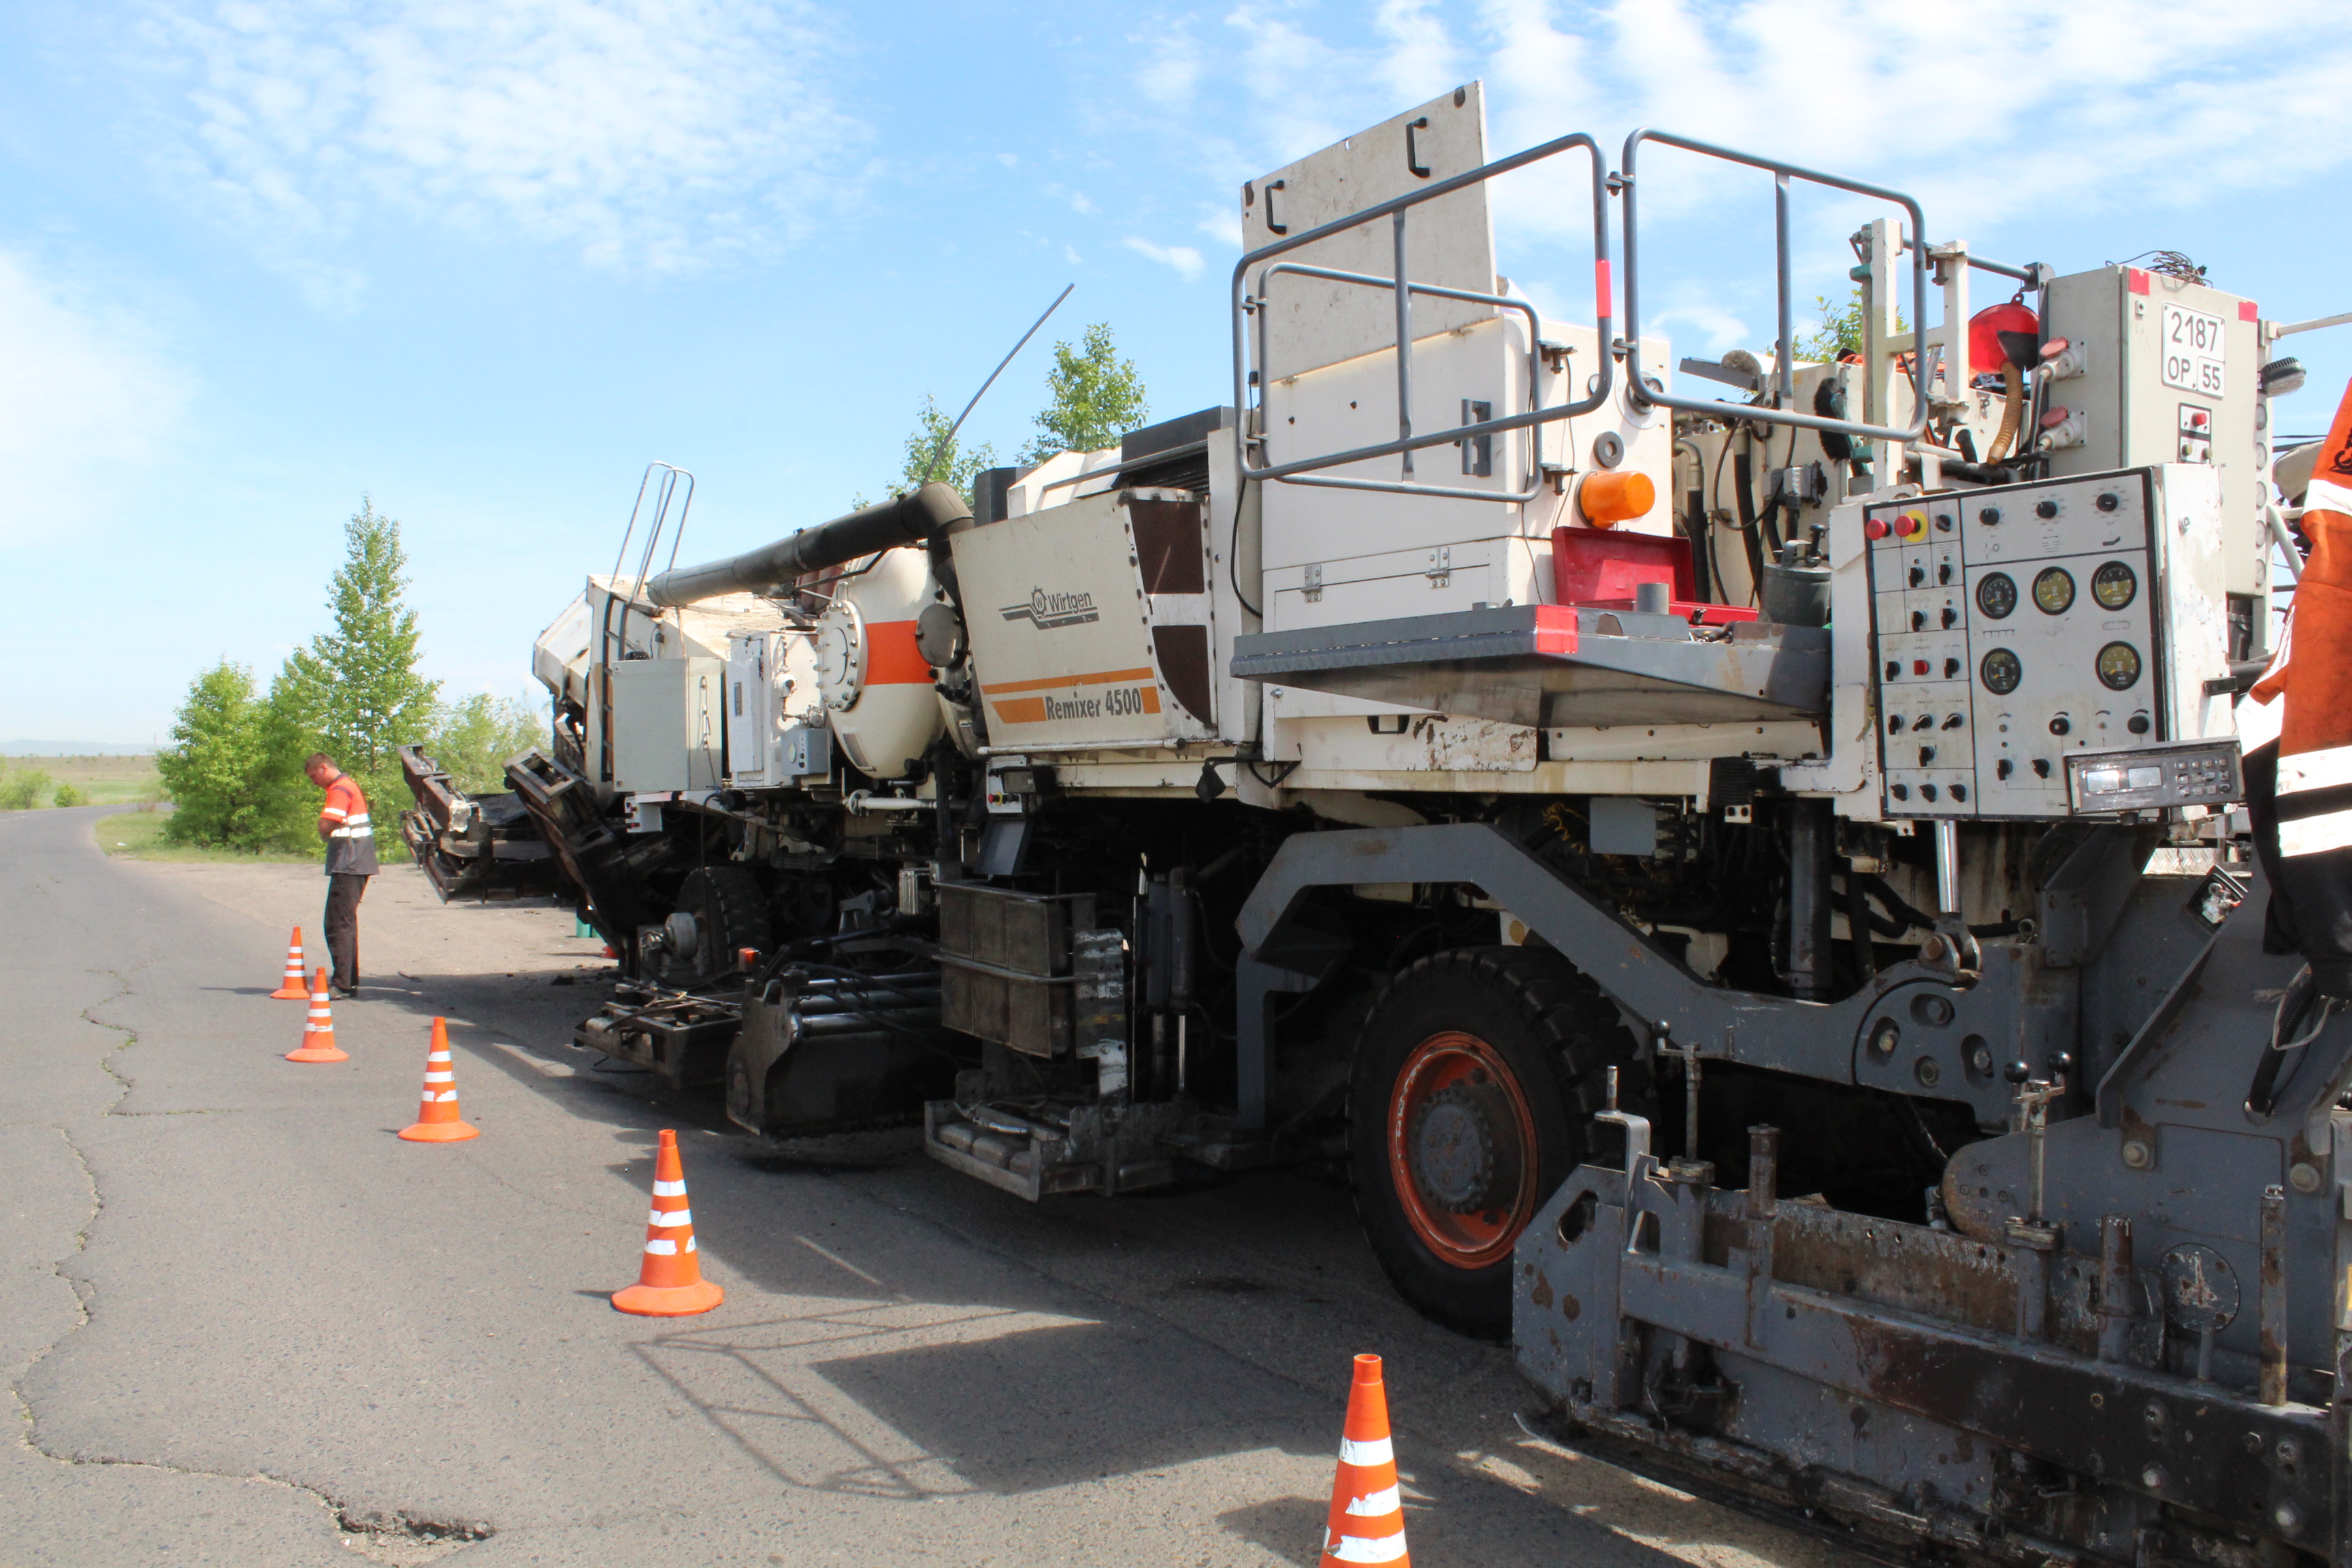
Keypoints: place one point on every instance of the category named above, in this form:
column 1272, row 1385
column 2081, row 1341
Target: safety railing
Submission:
column 1301, row 470
column 1642, row 390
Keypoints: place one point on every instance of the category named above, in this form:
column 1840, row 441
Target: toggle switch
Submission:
column 1951, row 669
column 1927, row 792
column 1951, row 617
column 1927, row 755
column 1955, row 721
column 2042, row 767
column 1944, row 571
column 2003, row 768
column 1918, row 573
column 1919, row 624
column 1959, row 792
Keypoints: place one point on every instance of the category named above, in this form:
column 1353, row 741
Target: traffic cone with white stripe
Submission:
column 439, row 1120
column 670, row 1281
column 1367, row 1523
column 318, row 1030
column 291, row 988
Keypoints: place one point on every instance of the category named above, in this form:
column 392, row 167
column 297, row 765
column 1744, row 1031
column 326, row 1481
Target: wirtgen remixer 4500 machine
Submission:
column 1758, row 888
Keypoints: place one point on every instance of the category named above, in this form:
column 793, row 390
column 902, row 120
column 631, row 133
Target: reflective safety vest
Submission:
column 351, row 838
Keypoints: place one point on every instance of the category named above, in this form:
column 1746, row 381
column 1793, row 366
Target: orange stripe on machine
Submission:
column 891, row 657
column 1068, row 700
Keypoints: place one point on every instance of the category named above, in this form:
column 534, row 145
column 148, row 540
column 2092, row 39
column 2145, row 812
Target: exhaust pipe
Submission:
column 910, row 520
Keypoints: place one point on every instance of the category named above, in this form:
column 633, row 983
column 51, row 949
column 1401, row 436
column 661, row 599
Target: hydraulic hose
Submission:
column 2012, row 412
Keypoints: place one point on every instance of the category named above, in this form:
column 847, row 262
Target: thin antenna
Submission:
column 949, row 439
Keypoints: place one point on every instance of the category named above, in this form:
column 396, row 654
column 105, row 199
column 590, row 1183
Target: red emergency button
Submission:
column 1875, row 529
column 1918, row 666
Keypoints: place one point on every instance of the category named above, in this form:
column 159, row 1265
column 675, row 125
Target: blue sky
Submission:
column 482, row 259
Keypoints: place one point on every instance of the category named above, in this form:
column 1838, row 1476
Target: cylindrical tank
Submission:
column 875, row 682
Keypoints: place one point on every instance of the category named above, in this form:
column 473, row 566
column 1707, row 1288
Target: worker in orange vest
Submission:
column 351, row 861
column 2298, row 751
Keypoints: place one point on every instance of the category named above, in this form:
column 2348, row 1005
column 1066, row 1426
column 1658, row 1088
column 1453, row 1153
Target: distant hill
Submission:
column 70, row 749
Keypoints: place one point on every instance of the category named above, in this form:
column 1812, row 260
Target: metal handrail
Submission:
column 1407, row 442
column 1641, row 392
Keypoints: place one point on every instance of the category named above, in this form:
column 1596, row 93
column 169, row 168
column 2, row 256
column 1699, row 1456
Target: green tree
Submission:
column 209, row 767
column 1840, row 331
column 356, row 687
column 932, row 454
column 475, row 739
column 1097, row 398
column 68, row 795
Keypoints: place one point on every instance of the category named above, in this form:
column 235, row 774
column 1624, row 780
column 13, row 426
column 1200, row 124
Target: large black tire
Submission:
column 1470, row 1099
column 729, row 912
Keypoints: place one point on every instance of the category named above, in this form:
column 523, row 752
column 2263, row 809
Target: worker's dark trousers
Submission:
column 344, row 890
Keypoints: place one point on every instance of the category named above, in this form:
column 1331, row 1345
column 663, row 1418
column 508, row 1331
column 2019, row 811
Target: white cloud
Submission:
column 1173, row 70
column 1222, row 224
column 648, row 136
column 1182, row 258
column 1986, row 110
column 87, row 390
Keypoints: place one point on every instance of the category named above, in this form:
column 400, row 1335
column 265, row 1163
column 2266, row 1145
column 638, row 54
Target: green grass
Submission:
column 102, row 781
column 139, row 836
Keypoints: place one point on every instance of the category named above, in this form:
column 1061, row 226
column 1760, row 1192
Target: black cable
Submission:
column 1234, row 556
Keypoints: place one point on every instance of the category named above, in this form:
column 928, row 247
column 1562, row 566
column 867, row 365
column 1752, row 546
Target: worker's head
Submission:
column 320, row 769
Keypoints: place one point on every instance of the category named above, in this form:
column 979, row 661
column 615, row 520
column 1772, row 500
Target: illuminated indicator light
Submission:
column 1918, row 666
column 1612, row 497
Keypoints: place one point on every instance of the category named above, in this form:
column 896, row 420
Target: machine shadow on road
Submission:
column 1077, row 1344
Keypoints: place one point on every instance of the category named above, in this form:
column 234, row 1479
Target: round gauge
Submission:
column 2001, row 671
column 1997, row 596
column 2115, row 584
column 2119, row 667
column 2054, row 592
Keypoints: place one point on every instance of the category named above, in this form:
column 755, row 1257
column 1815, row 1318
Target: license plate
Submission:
column 2192, row 350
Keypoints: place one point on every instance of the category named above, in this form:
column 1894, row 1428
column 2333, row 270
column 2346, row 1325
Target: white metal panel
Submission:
column 2141, row 390
column 668, row 729
column 1450, row 241
column 1062, row 634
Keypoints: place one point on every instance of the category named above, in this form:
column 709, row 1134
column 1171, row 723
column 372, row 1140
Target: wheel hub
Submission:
column 1464, row 1148
column 1461, row 1147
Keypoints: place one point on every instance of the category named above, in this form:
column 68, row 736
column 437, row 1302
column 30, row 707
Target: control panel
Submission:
column 2201, row 772
column 2017, row 626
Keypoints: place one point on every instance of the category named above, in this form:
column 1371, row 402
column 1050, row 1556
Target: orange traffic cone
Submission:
column 319, row 1031
column 439, row 1120
column 291, row 988
column 670, row 1282
column 1367, row 1523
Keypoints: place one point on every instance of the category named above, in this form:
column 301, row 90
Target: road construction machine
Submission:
column 1745, row 863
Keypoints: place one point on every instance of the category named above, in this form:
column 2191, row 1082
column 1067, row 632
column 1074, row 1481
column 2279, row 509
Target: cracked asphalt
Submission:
column 244, row 1324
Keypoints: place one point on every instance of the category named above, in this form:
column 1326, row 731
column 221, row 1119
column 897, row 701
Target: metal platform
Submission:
column 1557, row 665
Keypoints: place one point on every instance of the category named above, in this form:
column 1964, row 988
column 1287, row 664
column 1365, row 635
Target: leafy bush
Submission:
column 68, row 795
column 22, row 791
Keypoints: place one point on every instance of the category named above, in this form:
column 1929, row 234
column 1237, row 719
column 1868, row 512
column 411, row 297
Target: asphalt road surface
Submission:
column 244, row 1324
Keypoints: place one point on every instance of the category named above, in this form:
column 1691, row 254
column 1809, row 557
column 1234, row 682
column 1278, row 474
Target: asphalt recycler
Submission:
column 1764, row 872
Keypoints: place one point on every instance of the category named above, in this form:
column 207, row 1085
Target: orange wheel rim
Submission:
column 1462, row 1150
